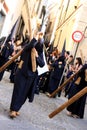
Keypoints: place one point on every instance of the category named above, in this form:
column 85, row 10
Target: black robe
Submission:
column 56, row 74
column 25, row 79
column 6, row 51
column 78, row 106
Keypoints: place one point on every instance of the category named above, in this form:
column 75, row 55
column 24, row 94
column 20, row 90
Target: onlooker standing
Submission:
column 78, row 64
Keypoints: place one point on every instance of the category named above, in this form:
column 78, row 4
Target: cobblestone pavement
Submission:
column 34, row 116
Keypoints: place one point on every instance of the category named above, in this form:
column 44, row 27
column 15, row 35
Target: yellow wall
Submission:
column 15, row 8
column 69, row 26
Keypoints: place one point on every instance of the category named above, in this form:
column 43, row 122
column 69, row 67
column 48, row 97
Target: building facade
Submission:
column 18, row 16
column 58, row 20
column 72, row 18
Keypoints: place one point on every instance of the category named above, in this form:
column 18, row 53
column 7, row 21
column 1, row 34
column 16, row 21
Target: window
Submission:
column 1, row 1
column 2, row 18
column 48, row 27
column 20, row 27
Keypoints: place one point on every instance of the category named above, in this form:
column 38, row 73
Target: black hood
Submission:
column 62, row 59
column 39, row 46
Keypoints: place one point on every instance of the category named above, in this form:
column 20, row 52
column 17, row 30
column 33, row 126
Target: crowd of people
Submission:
column 27, row 82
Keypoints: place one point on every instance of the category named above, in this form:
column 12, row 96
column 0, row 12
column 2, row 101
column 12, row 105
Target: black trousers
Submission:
column 23, row 88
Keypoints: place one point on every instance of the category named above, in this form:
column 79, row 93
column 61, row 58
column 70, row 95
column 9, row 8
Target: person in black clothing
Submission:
column 56, row 73
column 6, row 51
column 26, row 78
column 77, row 108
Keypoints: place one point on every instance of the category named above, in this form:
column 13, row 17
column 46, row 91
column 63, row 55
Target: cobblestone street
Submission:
column 34, row 116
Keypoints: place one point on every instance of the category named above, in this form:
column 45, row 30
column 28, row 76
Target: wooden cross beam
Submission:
column 10, row 61
column 69, row 102
column 64, row 84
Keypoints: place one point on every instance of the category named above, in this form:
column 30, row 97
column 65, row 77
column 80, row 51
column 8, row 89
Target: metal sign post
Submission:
column 77, row 37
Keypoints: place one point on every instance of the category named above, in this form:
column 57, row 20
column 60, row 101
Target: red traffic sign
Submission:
column 77, row 36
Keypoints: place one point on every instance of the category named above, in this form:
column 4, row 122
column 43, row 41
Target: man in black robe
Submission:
column 25, row 78
column 77, row 108
column 6, row 51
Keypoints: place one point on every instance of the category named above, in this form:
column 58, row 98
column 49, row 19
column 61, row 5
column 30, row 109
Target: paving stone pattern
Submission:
column 34, row 116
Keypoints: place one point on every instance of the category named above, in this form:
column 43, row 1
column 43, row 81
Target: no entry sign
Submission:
column 77, row 36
